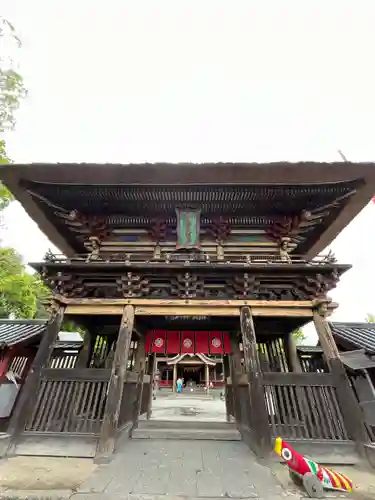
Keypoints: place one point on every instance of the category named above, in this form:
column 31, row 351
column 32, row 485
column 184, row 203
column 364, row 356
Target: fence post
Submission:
column 108, row 431
column 29, row 390
column 258, row 410
column 351, row 411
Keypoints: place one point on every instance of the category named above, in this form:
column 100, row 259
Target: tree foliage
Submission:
column 21, row 294
column 298, row 335
column 12, row 91
column 370, row 318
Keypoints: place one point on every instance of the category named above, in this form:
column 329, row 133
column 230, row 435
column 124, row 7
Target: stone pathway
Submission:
column 204, row 469
column 206, row 410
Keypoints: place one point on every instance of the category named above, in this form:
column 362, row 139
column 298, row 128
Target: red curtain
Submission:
column 173, row 343
column 201, row 342
column 187, row 342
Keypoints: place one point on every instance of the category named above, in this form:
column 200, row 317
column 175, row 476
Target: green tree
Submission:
column 298, row 335
column 21, row 294
column 12, row 91
column 370, row 318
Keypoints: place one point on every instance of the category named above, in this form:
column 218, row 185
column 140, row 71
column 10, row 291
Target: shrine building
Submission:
column 200, row 271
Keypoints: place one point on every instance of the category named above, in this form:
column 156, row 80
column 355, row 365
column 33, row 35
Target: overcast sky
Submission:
column 207, row 80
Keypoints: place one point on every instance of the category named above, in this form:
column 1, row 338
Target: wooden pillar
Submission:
column 84, row 354
column 235, row 353
column 139, row 361
column 29, row 392
column 174, row 377
column 350, row 409
column 151, row 369
column 106, row 443
column 261, row 437
column 226, row 374
column 292, row 354
column 140, row 364
column 207, row 375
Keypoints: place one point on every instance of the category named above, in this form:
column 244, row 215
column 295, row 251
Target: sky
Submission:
column 173, row 80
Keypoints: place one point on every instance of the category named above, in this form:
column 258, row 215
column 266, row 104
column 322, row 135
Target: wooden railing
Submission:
column 303, row 406
column 70, row 401
column 298, row 405
column 201, row 257
column 73, row 401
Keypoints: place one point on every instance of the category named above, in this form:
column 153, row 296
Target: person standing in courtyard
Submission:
column 179, row 385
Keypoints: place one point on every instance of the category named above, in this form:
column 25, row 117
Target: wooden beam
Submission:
column 29, row 392
column 187, row 311
column 189, row 302
column 325, row 336
column 285, row 312
column 95, row 309
column 108, row 431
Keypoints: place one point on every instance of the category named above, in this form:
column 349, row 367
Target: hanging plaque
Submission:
column 188, row 228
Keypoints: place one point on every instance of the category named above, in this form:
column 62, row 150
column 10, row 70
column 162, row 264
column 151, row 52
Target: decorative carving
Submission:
column 288, row 226
column 133, row 285
column 219, row 229
column 95, row 249
column 187, row 285
column 284, row 250
column 187, row 282
column 244, row 286
column 87, row 225
column 158, row 230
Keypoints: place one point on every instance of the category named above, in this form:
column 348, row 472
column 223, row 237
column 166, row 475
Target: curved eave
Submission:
column 192, row 174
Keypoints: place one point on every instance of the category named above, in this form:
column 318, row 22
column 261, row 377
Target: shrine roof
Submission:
column 13, row 332
column 245, row 193
column 355, row 335
column 28, row 331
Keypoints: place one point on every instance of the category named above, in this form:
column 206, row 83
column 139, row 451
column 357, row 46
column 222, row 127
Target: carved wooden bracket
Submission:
column 133, row 285
column 158, row 230
column 219, row 229
column 95, row 226
column 187, row 285
column 287, row 226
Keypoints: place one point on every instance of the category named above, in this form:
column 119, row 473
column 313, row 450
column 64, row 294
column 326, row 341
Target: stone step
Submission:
column 187, row 434
column 186, row 424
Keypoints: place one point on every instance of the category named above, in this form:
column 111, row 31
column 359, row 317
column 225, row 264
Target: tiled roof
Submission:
column 358, row 335
column 14, row 332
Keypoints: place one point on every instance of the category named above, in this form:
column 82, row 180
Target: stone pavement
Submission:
column 205, row 410
column 204, row 469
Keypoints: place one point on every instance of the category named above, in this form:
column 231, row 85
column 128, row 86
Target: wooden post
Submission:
column 29, row 391
column 139, row 361
column 151, row 370
column 261, row 436
column 84, row 355
column 106, row 443
column 226, row 370
column 140, row 366
column 292, row 354
column 351, row 411
column 235, row 372
column 174, row 377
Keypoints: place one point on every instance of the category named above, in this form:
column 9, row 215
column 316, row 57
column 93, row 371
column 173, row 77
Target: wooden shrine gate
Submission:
column 93, row 404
